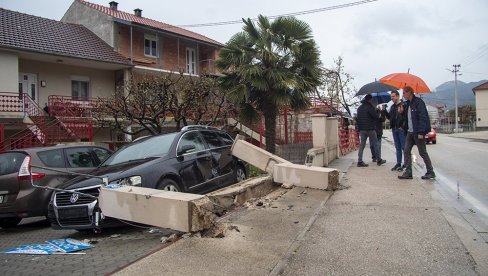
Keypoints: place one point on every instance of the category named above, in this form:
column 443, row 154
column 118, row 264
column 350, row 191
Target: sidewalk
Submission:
column 476, row 135
column 379, row 226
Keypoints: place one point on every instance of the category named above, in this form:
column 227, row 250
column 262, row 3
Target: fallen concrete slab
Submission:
column 284, row 171
column 305, row 176
column 179, row 211
column 239, row 193
column 256, row 156
column 154, row 207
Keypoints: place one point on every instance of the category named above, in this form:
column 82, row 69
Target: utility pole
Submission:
column 455, row 71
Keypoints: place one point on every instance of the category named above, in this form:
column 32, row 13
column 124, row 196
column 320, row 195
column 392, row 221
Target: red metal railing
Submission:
column 2, row 136
column 43, row 131
column 67, row 106
column 54, row 132
column 10, row 102
column 348, row 139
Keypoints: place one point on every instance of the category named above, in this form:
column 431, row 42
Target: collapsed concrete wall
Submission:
column 179, row 211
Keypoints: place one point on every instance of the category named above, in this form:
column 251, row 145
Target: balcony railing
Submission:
column 67, row 106
column 10, row 102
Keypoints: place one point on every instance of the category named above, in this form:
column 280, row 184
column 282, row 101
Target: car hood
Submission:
column 113, row 172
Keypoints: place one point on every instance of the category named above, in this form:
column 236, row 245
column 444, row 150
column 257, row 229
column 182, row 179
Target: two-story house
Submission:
column 150, row 45
column 47, row 65
column 481, row 93
column 62, row 67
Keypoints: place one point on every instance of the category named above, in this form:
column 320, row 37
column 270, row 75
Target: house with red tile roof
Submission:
column 56, row 67
column 150, row 45
column 481, row 93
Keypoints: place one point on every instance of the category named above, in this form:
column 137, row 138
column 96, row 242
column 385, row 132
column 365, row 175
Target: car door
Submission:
column 55, row 159
column 195, row 165
column 221, row 155
column 84, row 159
column 9, row 168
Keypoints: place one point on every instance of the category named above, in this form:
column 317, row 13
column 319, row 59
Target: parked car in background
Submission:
column 196, row 160
column 431, row 136
column 19, row 199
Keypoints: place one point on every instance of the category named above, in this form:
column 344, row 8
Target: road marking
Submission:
column 480, row 206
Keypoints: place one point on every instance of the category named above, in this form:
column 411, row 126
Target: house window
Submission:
column 150, row 45
column 191, row 65
column 80, row 88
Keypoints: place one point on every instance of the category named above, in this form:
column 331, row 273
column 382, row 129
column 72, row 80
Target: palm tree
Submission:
column 273, row 65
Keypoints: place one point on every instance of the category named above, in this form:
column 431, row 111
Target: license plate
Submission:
column 426, row 137
column 1, row 198
column 68, row 213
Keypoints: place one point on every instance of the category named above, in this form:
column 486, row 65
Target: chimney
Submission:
column 113, row 5
column 138, row 12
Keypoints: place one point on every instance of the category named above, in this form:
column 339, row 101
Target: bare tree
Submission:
column 146, row 104
column 337, row 89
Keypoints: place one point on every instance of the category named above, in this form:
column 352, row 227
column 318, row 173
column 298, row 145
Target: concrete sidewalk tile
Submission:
column 378, row 240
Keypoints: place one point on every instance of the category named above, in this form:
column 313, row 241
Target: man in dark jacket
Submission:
column 398, row 127
column 366, row 122
column 418, row 127
column 379, row 135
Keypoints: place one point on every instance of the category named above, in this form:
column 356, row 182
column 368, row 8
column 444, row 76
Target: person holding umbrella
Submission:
column 418, row 123
column 366, row 122
column 379, row 133
column 398, row 127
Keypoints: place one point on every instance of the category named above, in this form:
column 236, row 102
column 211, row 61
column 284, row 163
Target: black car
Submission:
column 18, row 198
column 195, row 160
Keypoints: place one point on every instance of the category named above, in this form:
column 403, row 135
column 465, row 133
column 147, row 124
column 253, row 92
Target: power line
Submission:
column 482, row 51
column 476, row 73
column 212, row 24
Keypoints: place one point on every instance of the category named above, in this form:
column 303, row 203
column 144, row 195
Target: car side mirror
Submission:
column 186, row 149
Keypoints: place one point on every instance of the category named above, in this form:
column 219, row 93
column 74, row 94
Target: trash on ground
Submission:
column 59, row 246
column 154, row 230
column 115, row 236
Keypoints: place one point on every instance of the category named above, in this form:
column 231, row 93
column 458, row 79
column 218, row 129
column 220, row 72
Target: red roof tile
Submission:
column 36, row 34
column 150, row 22
column 482, row 86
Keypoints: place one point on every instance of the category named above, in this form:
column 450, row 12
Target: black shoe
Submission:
column 380, row 162
column 429, row 175
column 402, row 168
column 362, row 164
column 374, row 160
column 396, row 167
column 405, row 176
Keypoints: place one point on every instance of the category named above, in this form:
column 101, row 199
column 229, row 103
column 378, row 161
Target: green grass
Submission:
column 253, row 171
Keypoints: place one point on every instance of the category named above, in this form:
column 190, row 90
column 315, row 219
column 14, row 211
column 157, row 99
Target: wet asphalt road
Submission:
column 465, row 162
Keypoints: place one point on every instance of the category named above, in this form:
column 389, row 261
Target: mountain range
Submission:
column 444, row 94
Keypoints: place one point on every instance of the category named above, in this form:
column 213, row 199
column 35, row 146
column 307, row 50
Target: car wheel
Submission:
column 9, row 222
column 169, row 185
column 240, row 173
column 434, row 142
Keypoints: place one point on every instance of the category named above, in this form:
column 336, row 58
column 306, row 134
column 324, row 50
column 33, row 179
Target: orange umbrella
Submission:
column 401, row 80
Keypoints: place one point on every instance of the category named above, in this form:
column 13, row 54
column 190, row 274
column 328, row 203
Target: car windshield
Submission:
column 151, row 147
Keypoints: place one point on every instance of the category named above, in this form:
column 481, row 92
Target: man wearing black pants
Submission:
column 366, row 122
column 418, row 126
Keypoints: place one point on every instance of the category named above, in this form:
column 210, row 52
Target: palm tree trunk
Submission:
column 270, row 128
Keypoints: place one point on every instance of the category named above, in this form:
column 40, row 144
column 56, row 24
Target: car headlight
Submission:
column 129, row 181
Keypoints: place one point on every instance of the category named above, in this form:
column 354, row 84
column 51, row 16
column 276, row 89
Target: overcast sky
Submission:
column 375, row 38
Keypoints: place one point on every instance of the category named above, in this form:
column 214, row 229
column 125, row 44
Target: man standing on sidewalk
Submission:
column 379, row 135
column 418, row 126
column 367, row 118
column 397, row 124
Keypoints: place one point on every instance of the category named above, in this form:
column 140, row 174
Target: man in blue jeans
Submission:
column 366, row 123
column 418, row 126
column 398, row 127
